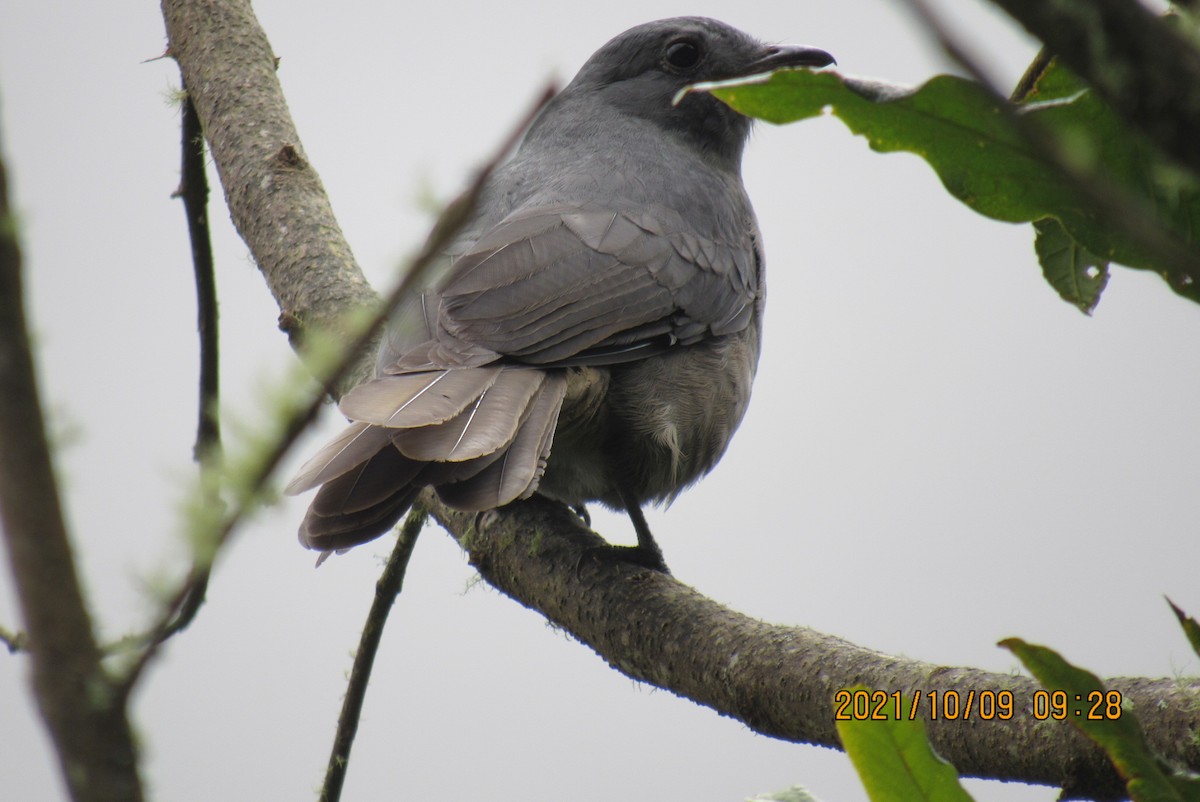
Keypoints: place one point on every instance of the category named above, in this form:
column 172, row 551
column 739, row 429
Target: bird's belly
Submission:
column 655, row 426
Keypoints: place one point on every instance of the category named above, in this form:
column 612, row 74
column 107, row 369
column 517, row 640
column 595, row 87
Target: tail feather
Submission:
column 417, row 399
column 516, row 474
column 338, row 532
column 357, row 444
column 361, row 504
column 547, row 440
column 441, row 473
column 372, row 483
column 483, row 427
column 481, row 436
column 528, row 454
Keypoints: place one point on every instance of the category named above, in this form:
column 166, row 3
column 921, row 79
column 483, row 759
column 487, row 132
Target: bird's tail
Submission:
column 479, row 435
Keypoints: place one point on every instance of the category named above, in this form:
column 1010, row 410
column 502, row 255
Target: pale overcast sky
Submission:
column 939, row 453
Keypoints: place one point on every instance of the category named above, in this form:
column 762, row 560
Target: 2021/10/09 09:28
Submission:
column 864, row 705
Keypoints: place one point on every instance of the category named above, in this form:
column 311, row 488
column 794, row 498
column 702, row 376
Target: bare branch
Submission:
column 86, row 718
column 274, row 195
column 391, row 581
column 193, row 190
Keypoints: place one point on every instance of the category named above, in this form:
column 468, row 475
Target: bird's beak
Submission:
column 778, row 56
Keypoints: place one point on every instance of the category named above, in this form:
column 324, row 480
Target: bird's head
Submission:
column 641, row 71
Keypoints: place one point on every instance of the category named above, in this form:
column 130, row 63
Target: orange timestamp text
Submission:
column 860, row 704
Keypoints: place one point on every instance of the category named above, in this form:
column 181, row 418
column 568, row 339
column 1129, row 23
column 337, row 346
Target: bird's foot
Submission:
column 581, row 510
column 651, row 558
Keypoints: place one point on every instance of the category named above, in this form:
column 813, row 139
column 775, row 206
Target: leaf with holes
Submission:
column 1078, row 275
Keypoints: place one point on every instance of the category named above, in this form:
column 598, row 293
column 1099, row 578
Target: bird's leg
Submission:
column 646, row 552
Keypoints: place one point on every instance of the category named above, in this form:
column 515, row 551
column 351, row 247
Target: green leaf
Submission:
column 950, row 122
column 984, row 159
column 1077, row 275
column 1100, row 143
column 896, row 763
column 1190, row 627
column 1147, row 777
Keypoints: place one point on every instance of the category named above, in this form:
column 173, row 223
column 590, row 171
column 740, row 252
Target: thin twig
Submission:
column 386, row 590
column 1033, row 73
column 456, row 214
column 197, row 584
column 194, row 191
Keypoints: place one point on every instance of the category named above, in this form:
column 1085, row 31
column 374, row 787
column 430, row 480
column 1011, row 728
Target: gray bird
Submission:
column 593, row 333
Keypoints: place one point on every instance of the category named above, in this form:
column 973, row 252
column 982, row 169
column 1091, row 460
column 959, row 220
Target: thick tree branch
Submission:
column 781, row 681
column 1146, row 70
column 85, row 715
column 274, row 195
column 778, row 680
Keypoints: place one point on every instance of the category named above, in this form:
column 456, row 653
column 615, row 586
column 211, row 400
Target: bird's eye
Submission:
column 683, row 54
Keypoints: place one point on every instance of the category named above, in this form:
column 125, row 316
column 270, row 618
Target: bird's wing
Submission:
column 566, row 284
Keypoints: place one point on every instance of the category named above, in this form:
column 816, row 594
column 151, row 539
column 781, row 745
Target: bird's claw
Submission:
column 650, row 558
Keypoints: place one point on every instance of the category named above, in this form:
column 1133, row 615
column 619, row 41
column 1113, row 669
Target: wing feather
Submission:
column 551, row 283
